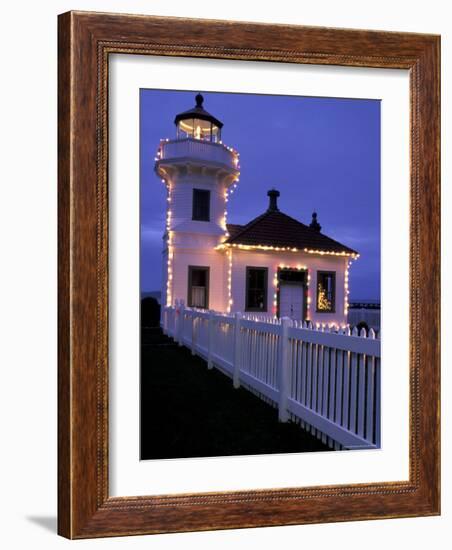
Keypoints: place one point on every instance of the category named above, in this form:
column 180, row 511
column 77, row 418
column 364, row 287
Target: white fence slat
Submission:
column 257, row 357
column 346, row 389
column 303, row 372
column 326, row 381
column 262, row 357
column 361, row 395
column 299, row 359
column 192, row 338
column 332, row 395
column 298, row 350
column 377, row 397
column 295, row 367
column 369, row 434
column 320, row 379
column 314, row 377
column 353, row 392
column 267, row 359
column 273, row 346
column 339, row 388
column 237, row 345
column 323, row 389
column 313, row 382
column 309, row 375
column 254, row 352
column 292, row 367
column 271, row 340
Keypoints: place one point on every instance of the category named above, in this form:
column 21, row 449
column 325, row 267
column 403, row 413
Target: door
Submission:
column 291, row 301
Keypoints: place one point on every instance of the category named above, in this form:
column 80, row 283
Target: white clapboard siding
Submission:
column 326, row 380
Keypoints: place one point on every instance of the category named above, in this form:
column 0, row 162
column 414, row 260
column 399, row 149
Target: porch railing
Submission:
column 196, row 148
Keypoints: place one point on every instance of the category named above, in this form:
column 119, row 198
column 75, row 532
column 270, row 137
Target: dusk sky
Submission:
column 322, row 154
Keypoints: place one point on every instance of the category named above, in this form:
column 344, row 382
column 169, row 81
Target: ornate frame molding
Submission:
column 85, row 42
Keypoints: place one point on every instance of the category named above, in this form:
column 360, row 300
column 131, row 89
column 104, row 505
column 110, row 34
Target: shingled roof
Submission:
column 276, row 229
column 234, row 229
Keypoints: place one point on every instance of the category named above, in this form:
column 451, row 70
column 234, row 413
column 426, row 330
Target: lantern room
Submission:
column 197, row 123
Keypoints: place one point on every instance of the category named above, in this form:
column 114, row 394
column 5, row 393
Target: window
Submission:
column 198, row 287
column 326, row 291
column 256, row 288
column 201, row 205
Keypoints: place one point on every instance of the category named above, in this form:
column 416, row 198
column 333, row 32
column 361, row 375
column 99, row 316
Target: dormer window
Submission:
column 197, row 123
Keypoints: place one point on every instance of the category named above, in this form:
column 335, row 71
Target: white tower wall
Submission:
column 184, row 165
column 181, row 203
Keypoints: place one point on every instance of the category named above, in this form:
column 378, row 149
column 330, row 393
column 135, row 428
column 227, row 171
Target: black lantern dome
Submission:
column 197, row 123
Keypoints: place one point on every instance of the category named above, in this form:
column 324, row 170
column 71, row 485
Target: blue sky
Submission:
column 322, row 154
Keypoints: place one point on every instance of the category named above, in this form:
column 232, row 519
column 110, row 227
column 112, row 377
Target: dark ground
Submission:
column 190, row 411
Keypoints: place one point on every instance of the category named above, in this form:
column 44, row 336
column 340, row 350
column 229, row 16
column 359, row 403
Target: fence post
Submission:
column 173, row 331
column 210, row 339
column 180, row 324
column 377, row 403
column 237, row 345
column 283, row 369
column 192, row 315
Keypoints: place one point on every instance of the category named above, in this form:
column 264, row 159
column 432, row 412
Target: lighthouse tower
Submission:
column 198, row 171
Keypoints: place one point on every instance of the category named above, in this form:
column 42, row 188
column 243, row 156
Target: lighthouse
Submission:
column 274, row 265
column 198, row 171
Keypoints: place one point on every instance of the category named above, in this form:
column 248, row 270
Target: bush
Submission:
column 150, row 312
column 363, row 324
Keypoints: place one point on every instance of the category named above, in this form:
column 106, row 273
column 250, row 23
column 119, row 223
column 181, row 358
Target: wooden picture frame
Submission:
column 86, row 40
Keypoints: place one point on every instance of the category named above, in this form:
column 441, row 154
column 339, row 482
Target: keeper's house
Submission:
column 273, row 265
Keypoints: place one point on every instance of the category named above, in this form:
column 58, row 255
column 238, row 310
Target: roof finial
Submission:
column 273, row 203
column 199, row 100
column 314, row 223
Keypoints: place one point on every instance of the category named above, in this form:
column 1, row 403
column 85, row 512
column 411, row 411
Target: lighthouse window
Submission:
column 201, row 205
column 198, row 287
column 256, row 288
column 326, row 291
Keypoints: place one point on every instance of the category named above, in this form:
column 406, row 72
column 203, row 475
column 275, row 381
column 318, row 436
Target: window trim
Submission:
column 193, row 205
column 191, row 268
column 265, row 270
column 333, row 309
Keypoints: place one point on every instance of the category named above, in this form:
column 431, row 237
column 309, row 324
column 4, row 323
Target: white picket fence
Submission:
column 327, row 380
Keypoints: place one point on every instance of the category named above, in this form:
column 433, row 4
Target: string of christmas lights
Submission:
column 230, row 301
column 169, row 281
column 287, row 249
